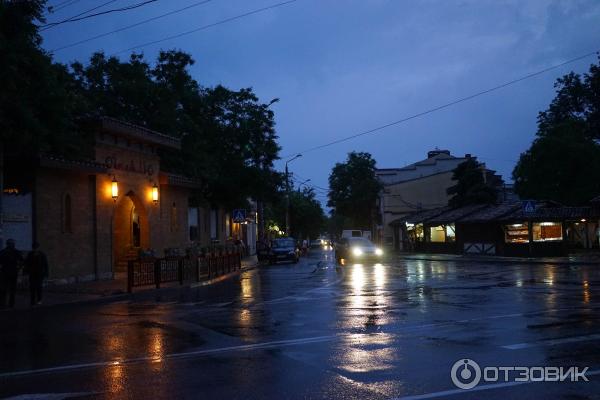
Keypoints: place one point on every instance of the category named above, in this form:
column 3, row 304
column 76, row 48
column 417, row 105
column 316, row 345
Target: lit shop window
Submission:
column 547, row 231
column 437, row 234
column 516, row 233
column 415, row 232
column 450, row 233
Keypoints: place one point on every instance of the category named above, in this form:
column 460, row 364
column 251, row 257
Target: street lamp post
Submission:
column 287, row 194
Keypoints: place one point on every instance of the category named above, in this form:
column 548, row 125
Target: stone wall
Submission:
column 65, row 233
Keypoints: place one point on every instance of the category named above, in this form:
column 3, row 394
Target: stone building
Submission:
column 416, row 187
column 92, row 215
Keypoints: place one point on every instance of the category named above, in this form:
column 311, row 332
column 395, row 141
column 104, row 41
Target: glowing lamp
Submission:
column 114, row 188
column 155, row 193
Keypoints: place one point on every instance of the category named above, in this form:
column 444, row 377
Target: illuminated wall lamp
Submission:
column 114, row 188
column 155, row 194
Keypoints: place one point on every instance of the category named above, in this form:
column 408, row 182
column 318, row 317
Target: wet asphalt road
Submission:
column 314, row 330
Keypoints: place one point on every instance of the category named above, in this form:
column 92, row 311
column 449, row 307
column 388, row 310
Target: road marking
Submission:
column 552, row 342
column 256, row 346
column 49, row 396
column 452, row 392
column 194, row 353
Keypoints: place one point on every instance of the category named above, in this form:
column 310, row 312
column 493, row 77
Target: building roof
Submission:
column 426, row 162
column 455, row 214
column 491, row 212
column 503, row 212
column 139, row 133
column 552, row 214
column 419, row 216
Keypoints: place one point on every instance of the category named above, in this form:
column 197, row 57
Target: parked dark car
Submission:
column 357, row 249
column 284, row 249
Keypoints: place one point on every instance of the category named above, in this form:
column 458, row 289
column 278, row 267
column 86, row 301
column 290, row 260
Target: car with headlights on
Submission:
column 284, row 249
column 357, row 249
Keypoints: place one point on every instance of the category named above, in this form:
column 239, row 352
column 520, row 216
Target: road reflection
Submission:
column 367, row 348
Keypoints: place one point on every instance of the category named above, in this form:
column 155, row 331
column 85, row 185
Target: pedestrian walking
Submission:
column 36, row 266
column 304, row 247
column 10, row 262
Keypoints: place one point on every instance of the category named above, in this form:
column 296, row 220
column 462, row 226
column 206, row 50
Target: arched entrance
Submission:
column 130, row 230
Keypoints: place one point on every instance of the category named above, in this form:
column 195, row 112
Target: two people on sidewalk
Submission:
column 35, row 265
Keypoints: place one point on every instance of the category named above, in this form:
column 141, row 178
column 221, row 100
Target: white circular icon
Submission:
column 465, row 373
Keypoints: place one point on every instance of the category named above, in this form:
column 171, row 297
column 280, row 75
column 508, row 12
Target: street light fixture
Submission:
column 303, row 183
column 287, row 193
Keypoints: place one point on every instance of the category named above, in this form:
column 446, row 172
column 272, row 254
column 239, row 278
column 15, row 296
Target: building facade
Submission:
column 92, row 216
column 505, row 229
column 417, row 187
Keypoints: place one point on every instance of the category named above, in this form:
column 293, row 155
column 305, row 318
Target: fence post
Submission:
column 129, row 276
column 197, row 258
column 157, row 273
column 180, row 270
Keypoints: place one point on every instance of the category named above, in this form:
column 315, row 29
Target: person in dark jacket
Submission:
column 10, row 262
column 36, row 265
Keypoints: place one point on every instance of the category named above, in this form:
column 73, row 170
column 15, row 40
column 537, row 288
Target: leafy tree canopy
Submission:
column 307, row 218
column 577, row 99
column 228, row 137
column 562, row 162
column 36, row 105
column 471, row 187
column 562, row 165
column 353, row 191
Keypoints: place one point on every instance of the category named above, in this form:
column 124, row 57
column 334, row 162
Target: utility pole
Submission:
column 1, row 194
column 287, row 194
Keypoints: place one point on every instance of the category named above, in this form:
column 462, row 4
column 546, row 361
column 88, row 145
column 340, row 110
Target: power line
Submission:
column 53, row 24
column 127, row 8
column 311, row 184
column 64, row 4
column 446, row 105
column 259, row 10
column 124, row 28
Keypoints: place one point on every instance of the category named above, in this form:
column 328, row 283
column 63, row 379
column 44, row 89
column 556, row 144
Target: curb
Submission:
column 117, row 296
column 500, row 261
column 223, row 277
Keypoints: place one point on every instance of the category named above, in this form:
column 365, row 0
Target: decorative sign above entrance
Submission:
column 140, row 167
column 239, row 216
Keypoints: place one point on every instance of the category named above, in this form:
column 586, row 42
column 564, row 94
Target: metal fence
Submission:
column 154, row 271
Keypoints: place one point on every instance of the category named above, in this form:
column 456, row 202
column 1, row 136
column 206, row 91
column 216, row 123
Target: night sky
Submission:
column 345, row 66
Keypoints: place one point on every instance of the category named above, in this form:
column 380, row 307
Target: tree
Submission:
column 228, row 137
column 36, row 107
column 577, row 99
column 562, row 162
column 353, row 191
column 471, row 186
column 562, row 165
column 307, row 218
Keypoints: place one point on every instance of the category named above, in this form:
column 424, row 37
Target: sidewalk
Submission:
column 575, row 259
column 82, row 292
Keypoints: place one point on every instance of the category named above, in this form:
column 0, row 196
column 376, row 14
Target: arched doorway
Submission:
column 130, row 230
